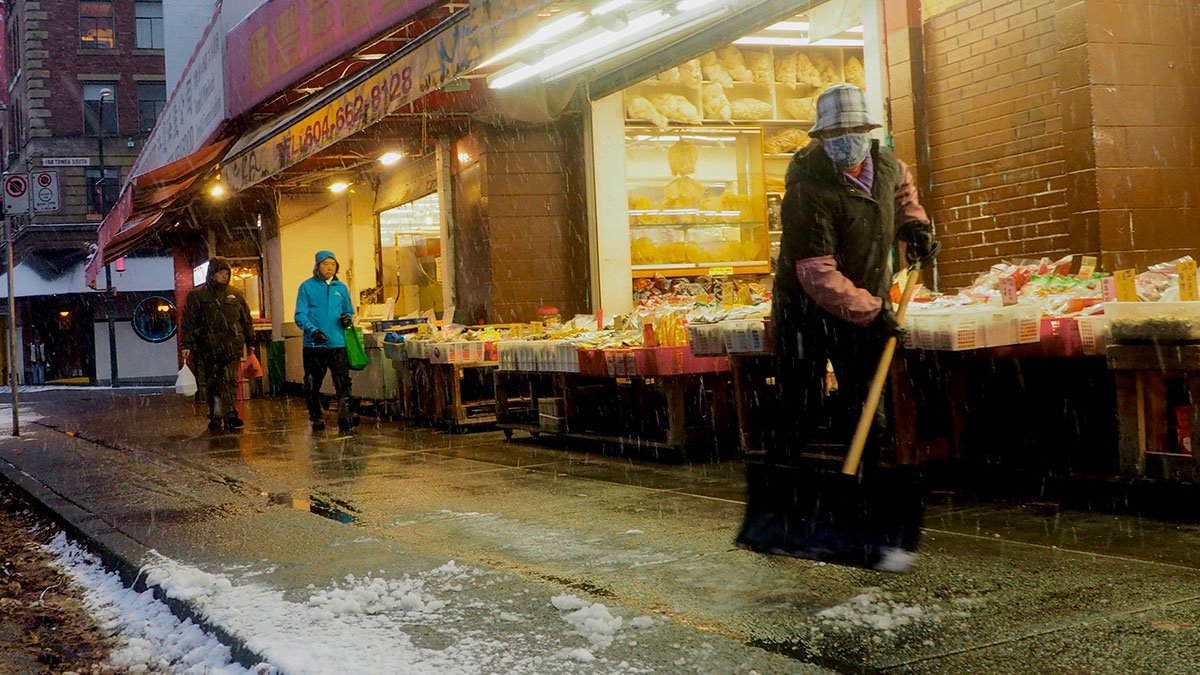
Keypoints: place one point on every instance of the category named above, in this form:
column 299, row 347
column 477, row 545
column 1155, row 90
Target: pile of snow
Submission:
column 375, row 596
column 372, row 624
column 876, row 610
column 595, row 623
column 149, row 637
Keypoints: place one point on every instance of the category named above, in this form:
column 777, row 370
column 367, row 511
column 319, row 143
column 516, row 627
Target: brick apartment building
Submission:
column 83, row 78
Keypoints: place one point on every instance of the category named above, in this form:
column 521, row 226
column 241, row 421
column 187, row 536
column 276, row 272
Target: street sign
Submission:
column 16, row 193
column 66, row 161
column 46, row 198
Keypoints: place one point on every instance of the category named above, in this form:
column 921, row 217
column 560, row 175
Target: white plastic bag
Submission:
column 185, row 384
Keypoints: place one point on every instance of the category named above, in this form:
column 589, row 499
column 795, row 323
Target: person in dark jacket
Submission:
column 848, row 201
column 216, row 326
column 324, row 312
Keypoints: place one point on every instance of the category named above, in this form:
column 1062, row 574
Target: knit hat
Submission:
column 842, row 106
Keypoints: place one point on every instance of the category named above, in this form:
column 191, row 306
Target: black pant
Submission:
column 803, row 351
column 219, row 380
column 316, row 361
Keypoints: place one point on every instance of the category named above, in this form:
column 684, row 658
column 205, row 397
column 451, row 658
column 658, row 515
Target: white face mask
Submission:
column 848, row 150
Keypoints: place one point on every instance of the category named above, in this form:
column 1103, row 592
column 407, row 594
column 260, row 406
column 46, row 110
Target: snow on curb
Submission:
column 422, row 623
column 149, row 637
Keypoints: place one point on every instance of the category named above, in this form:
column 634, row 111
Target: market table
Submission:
column 433, row 393
column 1141, row 373
column 678, row 414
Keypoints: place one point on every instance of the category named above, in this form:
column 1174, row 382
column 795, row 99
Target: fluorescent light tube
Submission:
column 578, row 50
column 543, row 33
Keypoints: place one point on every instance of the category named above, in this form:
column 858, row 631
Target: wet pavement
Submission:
column 1000, row 586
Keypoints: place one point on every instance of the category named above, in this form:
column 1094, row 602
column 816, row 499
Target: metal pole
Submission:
column 12, row 330
column 112, row 294
column 112, row 324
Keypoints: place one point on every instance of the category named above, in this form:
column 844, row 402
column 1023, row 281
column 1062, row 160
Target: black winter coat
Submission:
column 823, row 214
column 216, row 323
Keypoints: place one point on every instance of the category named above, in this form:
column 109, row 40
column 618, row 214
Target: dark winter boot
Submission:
column 233, row 423
column 214, row 424
column 318, row 424
column 347, row 418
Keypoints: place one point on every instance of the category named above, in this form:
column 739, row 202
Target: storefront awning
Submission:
column 436, row 58
column 144, row 201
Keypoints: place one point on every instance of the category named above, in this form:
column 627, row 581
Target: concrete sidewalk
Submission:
column 999, row 587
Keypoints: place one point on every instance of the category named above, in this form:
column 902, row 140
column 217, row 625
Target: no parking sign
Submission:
column 16, row 193
column 45, row 191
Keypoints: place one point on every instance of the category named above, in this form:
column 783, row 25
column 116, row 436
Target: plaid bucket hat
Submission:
column 842, row 106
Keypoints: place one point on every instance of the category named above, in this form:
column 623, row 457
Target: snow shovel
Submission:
column 870, row 519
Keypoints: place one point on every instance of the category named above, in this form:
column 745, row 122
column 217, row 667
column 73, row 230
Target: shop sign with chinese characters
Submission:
column 195, row 109
column 454, row 50
column 285, row 40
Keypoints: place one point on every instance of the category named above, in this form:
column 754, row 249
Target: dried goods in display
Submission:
column 855, row 73
column 761, row 66
column 640, row 108
column 714, row 71
column 735, row 64
column 677, row 108
column 716, row 103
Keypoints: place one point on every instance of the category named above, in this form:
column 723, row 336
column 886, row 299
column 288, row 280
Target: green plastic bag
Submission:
column 356, row 354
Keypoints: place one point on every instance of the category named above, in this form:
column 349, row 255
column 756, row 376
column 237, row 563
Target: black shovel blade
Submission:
column 872, row 521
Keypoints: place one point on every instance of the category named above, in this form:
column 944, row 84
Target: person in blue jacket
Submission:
column 324, row 312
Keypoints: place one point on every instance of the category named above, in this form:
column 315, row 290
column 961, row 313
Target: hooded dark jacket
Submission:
column 829, row 220
column 216, row 320
column 319, row 305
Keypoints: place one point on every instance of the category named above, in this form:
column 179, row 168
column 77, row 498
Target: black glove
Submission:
column 346, row 320
column 890, row 325
column 922, row 247
column 319, row 338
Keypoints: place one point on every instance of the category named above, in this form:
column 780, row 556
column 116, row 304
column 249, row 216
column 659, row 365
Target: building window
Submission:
column 12, row 46
column 99, row 111
column 97, row 27
column 152, row 97
column 149, row 17
column 102, row 194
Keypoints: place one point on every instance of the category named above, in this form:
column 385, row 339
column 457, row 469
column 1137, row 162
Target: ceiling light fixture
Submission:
column 338, row 187
column 578, row 50
column 542, row 34
column 390, row 158
column 217, row 190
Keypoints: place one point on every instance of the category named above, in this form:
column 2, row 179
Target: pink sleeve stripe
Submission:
column 834, row 293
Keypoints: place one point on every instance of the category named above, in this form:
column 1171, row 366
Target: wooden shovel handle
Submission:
column 859, row 441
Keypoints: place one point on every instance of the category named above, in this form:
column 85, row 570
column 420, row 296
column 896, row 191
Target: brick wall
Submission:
column 525, row 245
column 998, row 188
column 1143, row 84
column 49, row 94
column 65, row 63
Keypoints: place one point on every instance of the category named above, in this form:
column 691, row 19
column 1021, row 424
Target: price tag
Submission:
column 1187, row 281
column 1126, row 292
column 1087, row 267
column 720, row 272
column 1008, row 291
column 1108, row 288
column 649, row 337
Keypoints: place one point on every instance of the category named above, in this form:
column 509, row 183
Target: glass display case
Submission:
column 697, row 200
column 410, row 249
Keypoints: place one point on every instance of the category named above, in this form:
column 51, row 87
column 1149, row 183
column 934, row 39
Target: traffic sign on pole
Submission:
column 45, row 194
column 16, row 193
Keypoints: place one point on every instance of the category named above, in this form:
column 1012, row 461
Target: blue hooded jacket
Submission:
column 319, row 305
